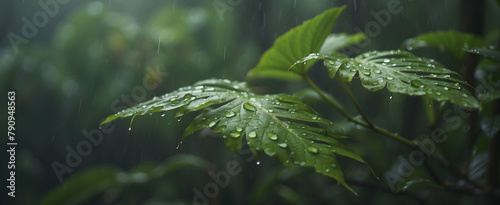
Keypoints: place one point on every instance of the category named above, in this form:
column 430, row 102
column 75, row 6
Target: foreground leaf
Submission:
column 280, row 125
column 295, row 44
column 402, row 72
column 453, row 42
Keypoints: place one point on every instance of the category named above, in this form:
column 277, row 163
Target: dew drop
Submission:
column 327, row 170
column 389, row 78
column 230, row 114
column 377, row 71
column 252, row 134
column 249, row 107
column 258, row 163
column 239, row 129
column 416, row 83
column 313, row 150
column 334, row 165
column 212, row 124
column 129, row 128
column 234, row 134
column 219, row 129
column 445, row 88
column 188, row 96
column 314, row 117
column 282, row 145
column 272, row 136
column 366, row 72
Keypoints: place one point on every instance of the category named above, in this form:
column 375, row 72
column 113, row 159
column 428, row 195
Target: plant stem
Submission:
column 326, row 99
column 373, row 127
column 348, row 91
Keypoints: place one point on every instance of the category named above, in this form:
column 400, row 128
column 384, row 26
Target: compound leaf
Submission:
column 402, row 72
column 280, row 125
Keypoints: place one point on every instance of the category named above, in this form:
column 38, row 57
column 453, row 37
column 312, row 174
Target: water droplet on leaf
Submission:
column 313, row 150
column 234, row 134
column 252, row 134
column 211, row 124
column 249, row 107
column 272, row 136
column 282, row 145
column 230, row 114
column 416, row 83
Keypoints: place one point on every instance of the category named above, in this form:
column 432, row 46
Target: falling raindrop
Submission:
column 159, row 42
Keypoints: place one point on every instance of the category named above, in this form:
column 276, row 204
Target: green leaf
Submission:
column 402, row 72
column 491, row 126
column 82, row 186
column 490, row 53
column 415, row 184
column 89, row 183
column 335, row 42
column 279, row 125
column 453, row 42
column 295, row 44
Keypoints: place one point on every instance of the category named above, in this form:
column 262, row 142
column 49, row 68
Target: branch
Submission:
column 373, row 127
column 385, row 189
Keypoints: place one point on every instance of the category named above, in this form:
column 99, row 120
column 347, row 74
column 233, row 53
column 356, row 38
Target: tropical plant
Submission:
column 284, row 127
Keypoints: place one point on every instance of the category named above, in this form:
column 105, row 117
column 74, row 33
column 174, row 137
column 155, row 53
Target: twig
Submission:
column 348, row 91
column 373, row 127
column 385, row 189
